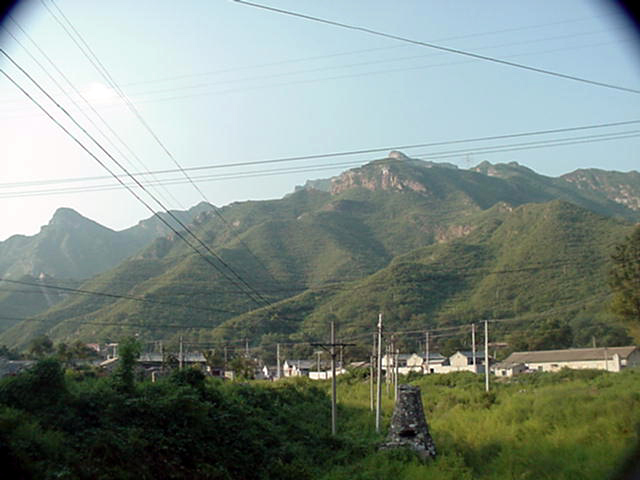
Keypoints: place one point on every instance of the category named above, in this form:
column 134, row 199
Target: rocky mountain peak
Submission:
column 66, row 217
column 375, row 176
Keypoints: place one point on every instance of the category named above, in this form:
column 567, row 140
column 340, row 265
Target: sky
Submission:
column 213, row 83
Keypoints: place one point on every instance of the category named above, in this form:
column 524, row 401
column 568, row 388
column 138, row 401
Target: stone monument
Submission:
column 408, row 424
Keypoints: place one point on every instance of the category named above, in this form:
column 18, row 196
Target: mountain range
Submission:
column 430, row 245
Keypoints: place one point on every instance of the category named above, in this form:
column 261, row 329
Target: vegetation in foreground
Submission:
column 74, row 426
column 565, row 425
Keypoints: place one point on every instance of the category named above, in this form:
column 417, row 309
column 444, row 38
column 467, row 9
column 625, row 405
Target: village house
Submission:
column 267, row 373
column 612, row 359
column 414, row 362
column 388, row 361
column 297, row 368
column 9, row 368
column 461, row 361
column 325, row 374
column 435, row 360
column 154, row 364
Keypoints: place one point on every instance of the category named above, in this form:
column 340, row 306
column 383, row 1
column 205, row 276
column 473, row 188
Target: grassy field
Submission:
column 567, row 425
column 77, row 425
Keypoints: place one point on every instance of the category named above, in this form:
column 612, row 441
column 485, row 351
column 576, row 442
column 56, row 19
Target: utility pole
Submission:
column 473, row 345
column 318, row 353
column 278, row 360
column 333, row 378
column 246, row 347
column 332, row 351
column 486, row 355
column 395, row 375
column 371, row 372
column 379, row 373
column 426, row 350
column 181, row 357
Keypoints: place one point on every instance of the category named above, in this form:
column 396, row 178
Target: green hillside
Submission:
column 429, row 245
column 519, row 263
column 28, row 298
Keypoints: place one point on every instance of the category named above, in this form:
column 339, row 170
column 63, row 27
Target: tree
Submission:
column 243, row 367
column 624, row 278
column 40, row 347
column 128, row 353
column 213, row 358
column 64, row 354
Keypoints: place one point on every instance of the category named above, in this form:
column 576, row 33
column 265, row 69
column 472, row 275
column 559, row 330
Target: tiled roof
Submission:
column 301, row 364
column 570, row 355
column 13, row 367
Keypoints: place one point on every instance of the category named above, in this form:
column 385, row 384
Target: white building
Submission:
column 612, row 359
column 461, row 361
column 325, row 374
column 297, row 368
column 389, row 362
column 413, row 362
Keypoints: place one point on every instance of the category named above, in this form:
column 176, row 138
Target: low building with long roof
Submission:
column 612, row 359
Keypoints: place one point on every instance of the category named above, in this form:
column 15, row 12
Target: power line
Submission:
column 344, row 53
column 359, row 64
column 450, row 153
column 367, row 75
column 95, row 61
column 325, row 167
column 438, row 47
column 113, row 295
column 84, row 99
column 178, row 221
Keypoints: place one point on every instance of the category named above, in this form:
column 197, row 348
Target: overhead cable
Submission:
column 113, row 295
column 257, row 298
column 439, row 47
column 95, row 61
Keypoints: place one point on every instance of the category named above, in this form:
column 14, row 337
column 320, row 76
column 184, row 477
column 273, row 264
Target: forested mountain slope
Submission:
column 430, row 245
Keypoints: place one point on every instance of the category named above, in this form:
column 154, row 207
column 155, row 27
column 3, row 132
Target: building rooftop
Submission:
column 568, row 355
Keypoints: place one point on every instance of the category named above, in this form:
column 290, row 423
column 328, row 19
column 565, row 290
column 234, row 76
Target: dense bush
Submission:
column 185, row 426
column 565, row 425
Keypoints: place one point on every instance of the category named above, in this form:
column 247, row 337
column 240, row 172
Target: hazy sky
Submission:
column 220, row 83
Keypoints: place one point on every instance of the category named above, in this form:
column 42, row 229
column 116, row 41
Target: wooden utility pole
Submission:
column 473, row 345
column 387, row 372
column 332, row 351
column 486, row 355
column 395, row 374
column 379, row 373
column 426, row 350
column 371, row 372
column 181, row 355
column 278, row 360
column 333, row 378
column 318, row 353
column 224, row 367
column 246, row 347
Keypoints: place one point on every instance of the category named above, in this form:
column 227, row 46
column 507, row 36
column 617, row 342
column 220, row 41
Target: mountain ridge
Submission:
column 367, row 222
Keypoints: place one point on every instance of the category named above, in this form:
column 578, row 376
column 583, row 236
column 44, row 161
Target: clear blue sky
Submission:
column 222, row 83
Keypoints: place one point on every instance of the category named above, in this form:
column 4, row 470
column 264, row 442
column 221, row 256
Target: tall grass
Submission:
column 567, row 425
